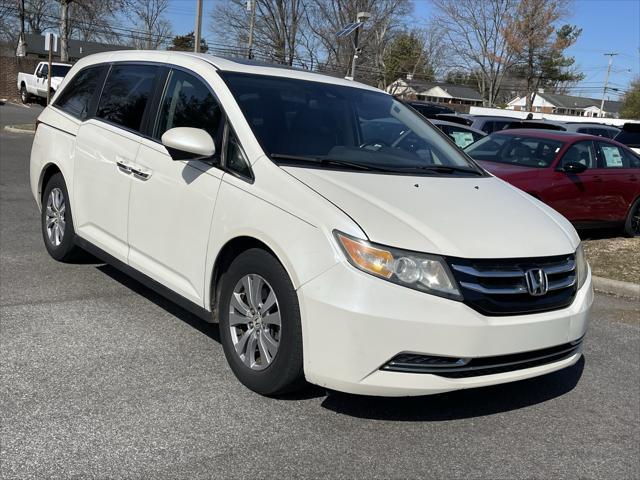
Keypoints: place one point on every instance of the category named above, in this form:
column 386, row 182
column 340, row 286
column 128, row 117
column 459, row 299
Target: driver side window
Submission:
column 581, row 152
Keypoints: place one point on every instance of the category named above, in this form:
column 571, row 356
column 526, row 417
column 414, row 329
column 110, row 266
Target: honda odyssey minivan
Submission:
column 330, row 245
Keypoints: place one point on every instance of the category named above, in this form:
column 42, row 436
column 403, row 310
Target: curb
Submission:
column 12, row 129
column 616, row 287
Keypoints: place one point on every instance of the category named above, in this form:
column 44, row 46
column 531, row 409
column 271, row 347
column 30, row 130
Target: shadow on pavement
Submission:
column 460, row 404
column 209, row 329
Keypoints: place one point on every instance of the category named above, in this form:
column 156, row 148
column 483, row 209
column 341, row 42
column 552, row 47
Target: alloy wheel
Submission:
column 254, row 322
column 55, row 217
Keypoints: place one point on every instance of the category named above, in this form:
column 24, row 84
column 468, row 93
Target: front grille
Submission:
column 473, row 367
column 498, row 287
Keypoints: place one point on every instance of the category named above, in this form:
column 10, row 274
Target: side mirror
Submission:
column 186, row 143
column 574, row 167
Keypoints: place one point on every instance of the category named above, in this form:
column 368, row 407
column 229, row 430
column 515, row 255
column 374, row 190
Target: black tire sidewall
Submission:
column 627, row 224
column 285, row 373
column 67, row 248
column 24, row 95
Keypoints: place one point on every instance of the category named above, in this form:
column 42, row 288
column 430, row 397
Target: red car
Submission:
column 593, row 181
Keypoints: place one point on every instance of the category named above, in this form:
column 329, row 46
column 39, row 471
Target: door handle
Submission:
column 140, row 173
column 123, row 166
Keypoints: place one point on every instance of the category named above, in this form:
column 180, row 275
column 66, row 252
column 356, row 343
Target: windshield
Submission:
column 59, row 70
column 331, row 126
column 515, row 150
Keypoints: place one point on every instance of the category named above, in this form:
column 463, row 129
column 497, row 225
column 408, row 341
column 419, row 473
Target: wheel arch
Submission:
column 229, row 252
column 47, row 172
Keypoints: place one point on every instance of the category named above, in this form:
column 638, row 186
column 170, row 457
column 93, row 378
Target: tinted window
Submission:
column 314, row 121
column 236, row 159
column 600, row 132
column 77, row 95
column 487, row 148
column 59, row 70
column 523, row 151
column 581, row 152
column 125, row 94
column 632, row 139
column 188, row 102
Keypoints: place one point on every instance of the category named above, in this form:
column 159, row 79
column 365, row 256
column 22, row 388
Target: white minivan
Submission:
column 334, row 234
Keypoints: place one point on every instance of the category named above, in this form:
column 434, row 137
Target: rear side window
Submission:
column 461, row 136
column 188, row 102
column 613, row 156
column 126, row 93
column 78, row 93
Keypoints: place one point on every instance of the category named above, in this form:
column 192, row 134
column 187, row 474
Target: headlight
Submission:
column 420, row 271
column 582, row 267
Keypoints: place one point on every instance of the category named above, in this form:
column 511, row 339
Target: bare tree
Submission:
column 531, row 34
column 326, row 17
column 148, row 15
column 39, row 15
column 277, row 31
column 475, row 30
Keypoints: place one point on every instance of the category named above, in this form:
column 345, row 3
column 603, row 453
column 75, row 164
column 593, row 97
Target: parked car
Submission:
column 35, row 84
column 430, row 110
column 598, row 129
column 592, row 181
column 489, row 124
column 630, row 136
column 260, row 198
column 461, row 135
column 537, row 124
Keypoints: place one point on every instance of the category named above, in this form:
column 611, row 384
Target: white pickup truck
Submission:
column 36, row 84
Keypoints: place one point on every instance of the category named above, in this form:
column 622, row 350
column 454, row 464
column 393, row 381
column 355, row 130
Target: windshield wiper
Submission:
column 330, row 161
column 446, row 169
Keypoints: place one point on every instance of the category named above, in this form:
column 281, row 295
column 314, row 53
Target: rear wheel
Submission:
column 260, row 324
column 57, row 222
column 632, row 225
column 24, row 95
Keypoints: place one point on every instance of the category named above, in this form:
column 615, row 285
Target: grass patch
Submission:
column 615, row 258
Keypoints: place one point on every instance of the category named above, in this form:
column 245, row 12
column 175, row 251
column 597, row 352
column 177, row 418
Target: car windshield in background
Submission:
column 316, row 124
column 60, row 70
column 515, row 150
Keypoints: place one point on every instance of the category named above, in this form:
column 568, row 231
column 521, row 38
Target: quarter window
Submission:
column 77, row 95
column 236, row 160
column 125, row 94
column 188, row 102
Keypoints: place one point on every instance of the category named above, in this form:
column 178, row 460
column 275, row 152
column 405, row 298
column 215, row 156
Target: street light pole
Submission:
column 606, row 82
column 198, row 29
column 360, row 19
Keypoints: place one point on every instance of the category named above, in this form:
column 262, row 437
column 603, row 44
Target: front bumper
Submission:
column 354, row 323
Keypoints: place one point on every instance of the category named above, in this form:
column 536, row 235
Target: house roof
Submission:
column 77, row 48
column 570, row 101
column 456, row 91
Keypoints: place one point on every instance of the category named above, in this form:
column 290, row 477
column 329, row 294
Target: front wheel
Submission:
column 632, row 225
column 260, row 324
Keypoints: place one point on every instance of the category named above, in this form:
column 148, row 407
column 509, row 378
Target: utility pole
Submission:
column 251, row 6
column 21, row 49
column 198, row 29
column 606, row 81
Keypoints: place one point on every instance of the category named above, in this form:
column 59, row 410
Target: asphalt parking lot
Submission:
column 102, row 378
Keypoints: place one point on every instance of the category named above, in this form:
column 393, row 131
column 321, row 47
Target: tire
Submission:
column 24, row 95
column 57, row 221
column 264, row 356
column 632, row 224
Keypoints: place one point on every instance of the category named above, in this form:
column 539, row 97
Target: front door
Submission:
column 171, row 205
column 106, row 148
column 576, row 195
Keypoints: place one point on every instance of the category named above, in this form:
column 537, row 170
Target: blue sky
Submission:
column 607, row 26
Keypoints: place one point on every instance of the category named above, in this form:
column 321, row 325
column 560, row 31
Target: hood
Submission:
column 479, row 217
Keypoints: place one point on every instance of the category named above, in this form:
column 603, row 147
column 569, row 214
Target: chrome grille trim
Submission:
column 499, row 286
